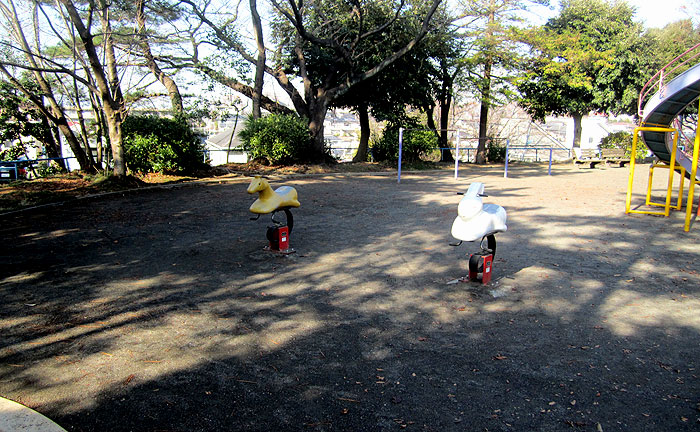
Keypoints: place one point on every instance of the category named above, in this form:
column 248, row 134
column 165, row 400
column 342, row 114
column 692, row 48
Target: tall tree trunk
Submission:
column 169, row 84
column 107, row 80
column 113, row 118
column 318, row 109
column 429, row 110
column 99, row 132
column 484, row 115
column 51, row 146
column 485, row 92
column 440, row 134
column 445, row 104
column 54, row 112
column 56, row 135
column 114, row 105
column 83, row 126
column 577, row 130
column 363, row 146
column 260, row 61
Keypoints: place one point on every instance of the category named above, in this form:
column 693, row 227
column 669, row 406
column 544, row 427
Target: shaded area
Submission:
column 159, row 310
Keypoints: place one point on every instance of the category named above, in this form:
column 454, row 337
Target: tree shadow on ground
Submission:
column 160, row 311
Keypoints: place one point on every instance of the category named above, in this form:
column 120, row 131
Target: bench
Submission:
column 588, row 156
column 616, row 156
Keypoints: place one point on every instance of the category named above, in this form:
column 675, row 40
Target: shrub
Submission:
column 277, row 139
column 12, row 153
column 414, row 143
column 155, row 144
column 495, row 152
column 48, row 169
column 623, row 140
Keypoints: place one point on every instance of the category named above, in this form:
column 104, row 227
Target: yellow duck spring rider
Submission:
column 271, row 201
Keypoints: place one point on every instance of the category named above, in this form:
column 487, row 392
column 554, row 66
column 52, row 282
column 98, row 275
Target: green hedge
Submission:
column 277, row 139
column 414, row 142
column 155, row 144
column 495, row 151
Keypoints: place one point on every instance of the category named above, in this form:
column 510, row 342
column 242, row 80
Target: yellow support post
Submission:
column 635, row 140
column 693, row 180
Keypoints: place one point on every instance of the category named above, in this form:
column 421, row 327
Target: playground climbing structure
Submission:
column 657, row 117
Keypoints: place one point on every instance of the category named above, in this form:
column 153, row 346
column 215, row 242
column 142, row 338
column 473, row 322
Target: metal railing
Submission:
column 16, row 164
column 663, row 74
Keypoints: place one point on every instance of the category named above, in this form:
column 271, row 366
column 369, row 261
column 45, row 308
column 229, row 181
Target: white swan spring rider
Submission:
column 476, row 220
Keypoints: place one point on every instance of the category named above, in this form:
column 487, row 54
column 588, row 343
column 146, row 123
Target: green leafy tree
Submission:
column 342, row 38
column 415, row 80
column 13, row 153
column 491, row 56
column 583, row 60
column 661, row 46
column 19, row 118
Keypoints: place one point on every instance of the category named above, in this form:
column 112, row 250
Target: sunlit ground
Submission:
column 116, row 303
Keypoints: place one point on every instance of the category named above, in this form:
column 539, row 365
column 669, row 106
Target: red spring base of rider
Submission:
column 480, row 263
column 278, row 236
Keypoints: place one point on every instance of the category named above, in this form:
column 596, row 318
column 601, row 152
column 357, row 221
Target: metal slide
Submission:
column 663, row 107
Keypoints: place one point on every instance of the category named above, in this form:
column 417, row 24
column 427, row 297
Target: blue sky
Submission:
column 653, row 13
column 658, row 13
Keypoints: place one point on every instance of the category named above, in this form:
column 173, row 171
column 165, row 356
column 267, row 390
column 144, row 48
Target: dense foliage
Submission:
column 665, row 44
column 19, row 118
column 495, row 151
column 416, row 140
column 380, row 57
column 12, row 153
column 155, row 144
column 583, row 60
column 277, row 138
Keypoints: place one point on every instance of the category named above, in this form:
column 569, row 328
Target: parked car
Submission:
column 12, row 171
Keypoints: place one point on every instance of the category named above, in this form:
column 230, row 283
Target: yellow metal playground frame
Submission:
column 649, row 202
column 667, row 205
column 693, row 179
column 672, row 167
column 659, row 78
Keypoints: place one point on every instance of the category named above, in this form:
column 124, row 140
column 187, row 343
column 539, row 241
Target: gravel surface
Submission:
column 158, row 310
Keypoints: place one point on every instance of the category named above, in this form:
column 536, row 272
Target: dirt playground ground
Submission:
column 158, row 310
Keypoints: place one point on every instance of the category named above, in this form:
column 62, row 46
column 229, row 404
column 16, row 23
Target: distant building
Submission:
column 341, row 130
column 513, row 125
column 225, row 146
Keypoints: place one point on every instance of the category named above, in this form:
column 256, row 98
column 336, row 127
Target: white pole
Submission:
column 400, row 151
column 505, row 173
column 457, row 157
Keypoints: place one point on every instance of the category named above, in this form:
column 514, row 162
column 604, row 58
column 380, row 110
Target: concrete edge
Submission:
column 17, row 417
